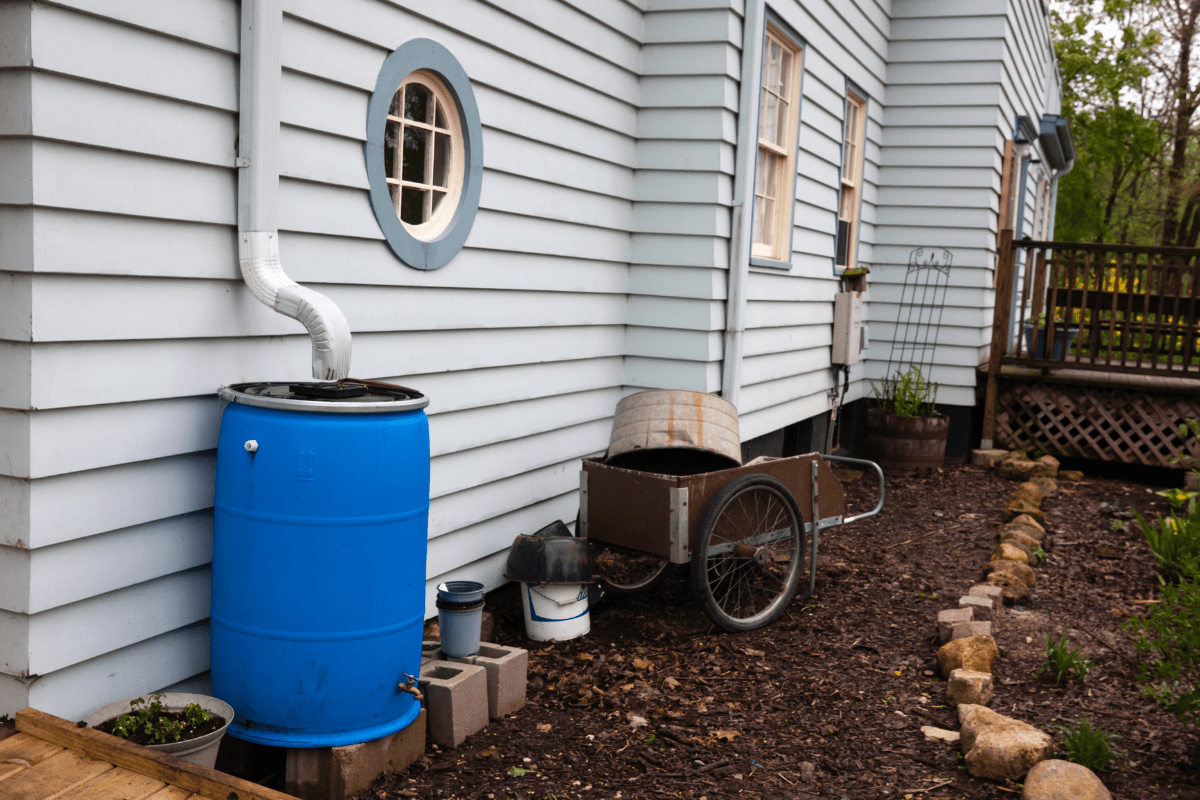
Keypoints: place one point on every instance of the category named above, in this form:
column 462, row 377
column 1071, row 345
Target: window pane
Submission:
column 440, row 117
column 441, row 159
column 770, row 120
column 438, row 197
column 390, row 136
column 781, row 124
column 774, row 53
column 394, row 191
column 849, row 203
column 397, row 101
column 785, row 72
column 416, row 146
column 417, row 102
column 412, row 206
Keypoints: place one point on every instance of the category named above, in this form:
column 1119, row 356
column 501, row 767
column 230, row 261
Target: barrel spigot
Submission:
column 410, row 686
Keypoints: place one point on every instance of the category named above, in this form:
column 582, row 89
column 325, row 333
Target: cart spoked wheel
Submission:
column 624, row 572
column 627, row 572
column 748, row 554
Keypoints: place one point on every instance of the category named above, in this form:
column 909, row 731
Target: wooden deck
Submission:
column 1073, row 371
column 51, row 759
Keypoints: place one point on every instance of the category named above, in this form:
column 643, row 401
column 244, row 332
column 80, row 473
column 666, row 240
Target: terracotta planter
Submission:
column 201, row 750
column 907, row 444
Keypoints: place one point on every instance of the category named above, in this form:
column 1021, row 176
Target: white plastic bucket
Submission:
column 557, row 612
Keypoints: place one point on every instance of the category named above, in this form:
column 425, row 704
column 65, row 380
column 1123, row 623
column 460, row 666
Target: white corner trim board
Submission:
column 258, row 196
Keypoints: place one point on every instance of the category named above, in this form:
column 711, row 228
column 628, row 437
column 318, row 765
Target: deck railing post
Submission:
column 1001, row 315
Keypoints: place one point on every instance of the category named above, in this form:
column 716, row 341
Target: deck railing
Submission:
column 1067, row 306
column 1100, row 307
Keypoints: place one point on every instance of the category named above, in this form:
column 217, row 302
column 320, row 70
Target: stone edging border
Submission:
column 994, row 746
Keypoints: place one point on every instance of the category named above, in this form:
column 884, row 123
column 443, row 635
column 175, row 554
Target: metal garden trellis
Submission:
column 919, row 313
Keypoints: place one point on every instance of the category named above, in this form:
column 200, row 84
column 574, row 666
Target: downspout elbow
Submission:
column 258, row 253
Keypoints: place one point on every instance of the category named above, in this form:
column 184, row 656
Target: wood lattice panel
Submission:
column 1111, row 423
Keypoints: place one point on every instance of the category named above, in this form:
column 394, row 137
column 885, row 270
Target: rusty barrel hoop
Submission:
column 907, row 444
column 669, row 418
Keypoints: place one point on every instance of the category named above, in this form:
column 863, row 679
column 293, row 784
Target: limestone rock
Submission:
column 1016, row 455
column 1061, row 780
column 1070, row 475
column 1011, row 552
column 1012, row 589
column 976, row 653
column 1033, row 487
column 1020, row 537
column 1033, row 498
column 973, row 688
column 1017, row 469
column 950, row 617
column 1047, row 466
column 1023, row 508
column 979, row 627
column 1022, row 572
column 940, row 734
column 1030, row 522
column 1048, row 485
column 984, row 608
column 997, row 747
column 987, row 458
column 993, row 593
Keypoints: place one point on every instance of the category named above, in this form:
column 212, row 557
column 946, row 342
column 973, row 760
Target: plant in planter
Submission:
column 1064, row 337
column 186, row 725
column 905, row 431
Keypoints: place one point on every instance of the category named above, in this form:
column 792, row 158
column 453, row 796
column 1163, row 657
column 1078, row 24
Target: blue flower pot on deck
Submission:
column 1062, row 335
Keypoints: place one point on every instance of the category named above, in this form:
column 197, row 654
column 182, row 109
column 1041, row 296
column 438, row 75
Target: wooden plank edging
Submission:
column 169, row 769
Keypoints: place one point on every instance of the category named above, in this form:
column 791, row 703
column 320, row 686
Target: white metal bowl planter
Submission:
column 201, row 750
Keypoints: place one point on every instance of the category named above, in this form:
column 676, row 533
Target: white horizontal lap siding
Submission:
column 942, row 144
column 687, row 129
column 519, row 342
column 786, row 370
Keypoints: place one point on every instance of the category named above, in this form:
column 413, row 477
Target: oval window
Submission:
column 424, row 154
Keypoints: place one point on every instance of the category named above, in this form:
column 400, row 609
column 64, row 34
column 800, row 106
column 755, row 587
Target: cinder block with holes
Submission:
column 993, row 593
column 456, row 697
column 507, row 671
column 335, row 773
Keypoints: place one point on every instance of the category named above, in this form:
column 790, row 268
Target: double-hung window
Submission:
column 778, row 125
column 853, row 138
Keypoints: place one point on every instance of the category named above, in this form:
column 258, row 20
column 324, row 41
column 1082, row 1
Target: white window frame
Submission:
column 854, row 139
column 434, row 221
column 775, row 165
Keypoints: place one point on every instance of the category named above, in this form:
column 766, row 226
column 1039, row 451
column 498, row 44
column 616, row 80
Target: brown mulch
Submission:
column 829, row 701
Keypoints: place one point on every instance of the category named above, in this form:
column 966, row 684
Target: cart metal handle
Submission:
column 862, row 462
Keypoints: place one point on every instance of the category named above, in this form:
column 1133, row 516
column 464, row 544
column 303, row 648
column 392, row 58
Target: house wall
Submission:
column 119, row 251
column 958, row 75
column 598, row 264
column 786, row 372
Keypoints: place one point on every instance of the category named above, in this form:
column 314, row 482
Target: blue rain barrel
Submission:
column 319, row 546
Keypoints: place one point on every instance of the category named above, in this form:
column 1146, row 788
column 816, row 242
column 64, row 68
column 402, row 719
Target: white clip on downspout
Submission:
column 739, row 245
column 258, row 191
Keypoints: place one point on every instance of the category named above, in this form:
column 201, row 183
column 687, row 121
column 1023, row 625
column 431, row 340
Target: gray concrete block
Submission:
column 994, row 593
column 507, row 671
column 335, row 773
column 961, row 630
column 947, row 619
column 982, row 606
column 456, row 697
column 431, row 650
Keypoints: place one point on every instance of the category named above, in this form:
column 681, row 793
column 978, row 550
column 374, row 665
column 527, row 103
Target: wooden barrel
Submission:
column 907, row 444
column 675, row 432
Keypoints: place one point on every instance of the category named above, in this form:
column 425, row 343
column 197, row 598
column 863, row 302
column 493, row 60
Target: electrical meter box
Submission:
column 849, row 332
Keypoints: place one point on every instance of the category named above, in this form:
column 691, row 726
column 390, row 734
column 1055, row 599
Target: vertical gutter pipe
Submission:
column 258, row 195
column 739, row 245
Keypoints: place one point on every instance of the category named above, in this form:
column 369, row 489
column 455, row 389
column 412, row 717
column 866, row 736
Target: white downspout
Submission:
column 258, row 193
column 743, row 179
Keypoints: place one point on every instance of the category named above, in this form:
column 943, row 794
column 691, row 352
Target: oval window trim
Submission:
column 430, row 57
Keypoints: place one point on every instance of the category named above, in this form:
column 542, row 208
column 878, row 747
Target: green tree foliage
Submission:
column 1104, row 97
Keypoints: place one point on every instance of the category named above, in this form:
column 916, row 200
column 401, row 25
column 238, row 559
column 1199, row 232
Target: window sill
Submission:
column 770, row 263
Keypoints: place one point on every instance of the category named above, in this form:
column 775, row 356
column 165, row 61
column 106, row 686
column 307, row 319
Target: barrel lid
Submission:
column 336, row 397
